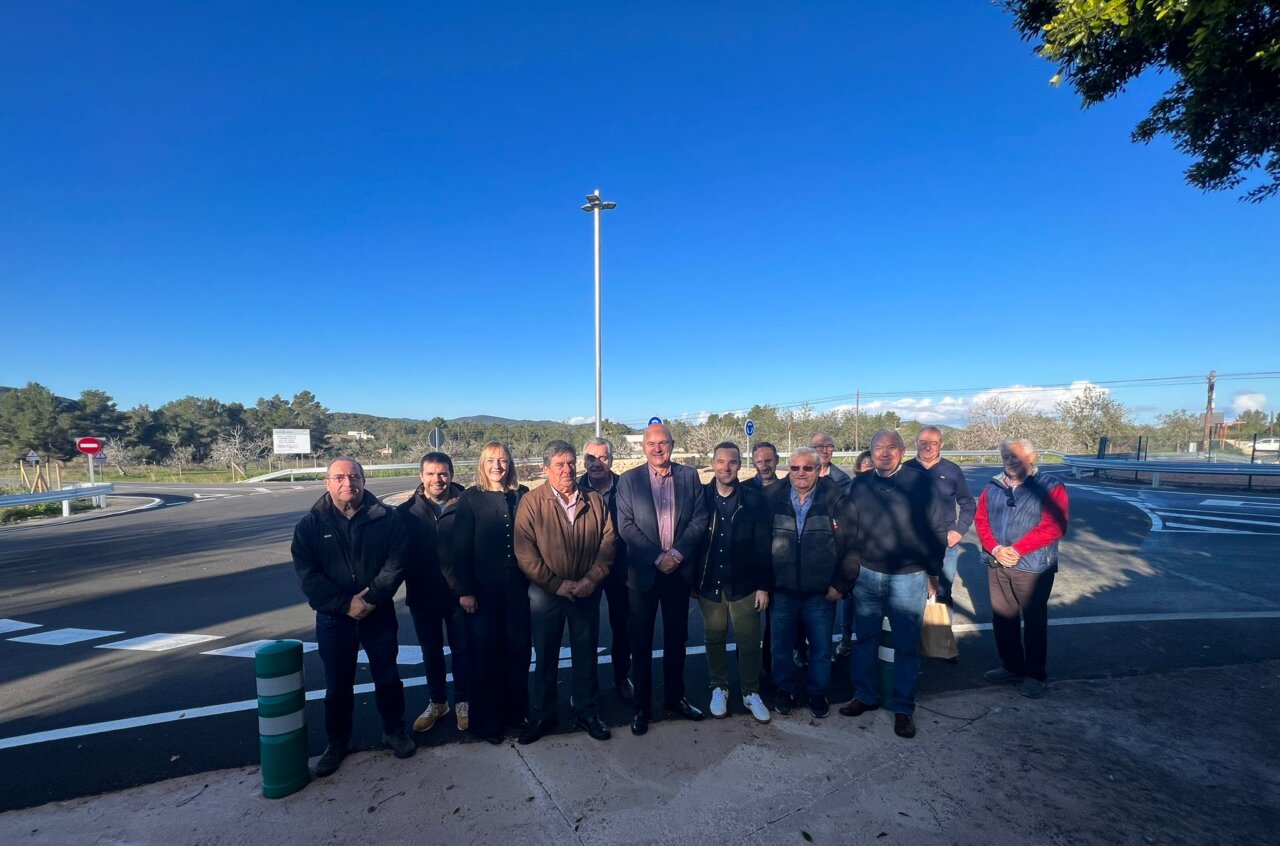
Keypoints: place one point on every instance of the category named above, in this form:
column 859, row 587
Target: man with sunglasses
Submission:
column 1021, row 516
column 349, row 552
column 813, row 566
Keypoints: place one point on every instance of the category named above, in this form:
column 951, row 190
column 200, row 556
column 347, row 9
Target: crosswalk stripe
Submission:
column 62, row 637
column 7, row 625
column 159, row 642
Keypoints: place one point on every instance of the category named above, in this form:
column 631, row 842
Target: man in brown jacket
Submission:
column 564, row 543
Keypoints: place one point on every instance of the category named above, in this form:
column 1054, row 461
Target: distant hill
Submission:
column 489, row 420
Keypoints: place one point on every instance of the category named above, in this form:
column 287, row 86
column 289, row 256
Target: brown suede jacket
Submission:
column 550, row 551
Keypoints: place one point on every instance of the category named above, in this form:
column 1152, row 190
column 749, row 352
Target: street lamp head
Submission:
column 593, row 198
column 608, row 206
column 588, row 207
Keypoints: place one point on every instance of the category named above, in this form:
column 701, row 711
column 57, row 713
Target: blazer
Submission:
column 638, row 523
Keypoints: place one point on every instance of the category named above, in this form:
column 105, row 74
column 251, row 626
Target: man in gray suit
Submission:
column 662, row 516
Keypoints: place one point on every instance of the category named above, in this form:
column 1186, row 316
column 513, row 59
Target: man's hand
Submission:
column 668, row 564
column 833, row 595
column 1007, row 556
column 933, row 585
column 566, row 589
column 468, row 604
column 583, row 588
column 762, row 600
column 953, row 538
column 358, row 609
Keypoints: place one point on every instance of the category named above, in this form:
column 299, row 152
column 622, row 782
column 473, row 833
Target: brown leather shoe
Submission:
column 856, row 708
column 904, row 725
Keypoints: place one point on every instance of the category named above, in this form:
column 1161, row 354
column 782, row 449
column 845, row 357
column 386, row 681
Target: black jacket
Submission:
column 429, row 579
column 900, row 522
column 618, row 573
column 949, row 479
column 481, row 545
column 822, row 556
column 331, row 570
column 749, row 543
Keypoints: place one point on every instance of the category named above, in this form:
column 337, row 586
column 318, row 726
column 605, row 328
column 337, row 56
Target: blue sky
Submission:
column 379, row 203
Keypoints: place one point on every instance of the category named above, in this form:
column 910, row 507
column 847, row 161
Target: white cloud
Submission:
column 1243, row 401
column 579, row 420
column 953, row 411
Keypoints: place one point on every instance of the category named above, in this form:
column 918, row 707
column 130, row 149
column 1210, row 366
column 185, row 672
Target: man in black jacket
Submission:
column 431, row 589
column 813, row 566
column 597, row 456
column 348, row 552
column 733, row 580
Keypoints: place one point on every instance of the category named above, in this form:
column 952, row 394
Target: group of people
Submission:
column 497, row 570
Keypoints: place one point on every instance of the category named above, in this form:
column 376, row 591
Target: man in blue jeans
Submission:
column 952, row 487
column 900, row 533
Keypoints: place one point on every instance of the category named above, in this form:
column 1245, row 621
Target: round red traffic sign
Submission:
column 89, row 446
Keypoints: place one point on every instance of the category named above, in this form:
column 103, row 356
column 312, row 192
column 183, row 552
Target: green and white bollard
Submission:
column 886, row 663
column 282, row 718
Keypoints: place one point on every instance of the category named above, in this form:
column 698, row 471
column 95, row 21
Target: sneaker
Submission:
column 428, row 718
column 1000, row 675
column 755, row 705
column 463, row 710
column 330, row 760
column 1031, row 688
column 719, row 702
column 784, row 703
column 818, row 706
column 400, row 744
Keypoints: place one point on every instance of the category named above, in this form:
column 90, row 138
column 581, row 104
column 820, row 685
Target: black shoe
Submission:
column 330, row 760
column 784, row 703
column 595, row 727
column 494, row 739
column 639, row 724
column 684, row 709
column 904, row 725
column 856, row 708
column 626, row 690
column 535, row 729
column 400, row 744
column 818, row 706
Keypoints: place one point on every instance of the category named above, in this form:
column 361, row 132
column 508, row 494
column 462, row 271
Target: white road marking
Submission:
column 1212, row 530
column 1168, row 512
column 61, row 637
column 247, row 650
column 16, row 626
column 406, row 655
column 159, row 642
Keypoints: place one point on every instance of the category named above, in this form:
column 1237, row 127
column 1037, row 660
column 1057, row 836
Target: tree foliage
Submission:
column 1223, row 108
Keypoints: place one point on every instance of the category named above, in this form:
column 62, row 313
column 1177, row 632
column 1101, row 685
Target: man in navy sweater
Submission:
column 949, row 479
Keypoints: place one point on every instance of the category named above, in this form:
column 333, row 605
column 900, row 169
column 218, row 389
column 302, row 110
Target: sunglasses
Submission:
column 802, row 468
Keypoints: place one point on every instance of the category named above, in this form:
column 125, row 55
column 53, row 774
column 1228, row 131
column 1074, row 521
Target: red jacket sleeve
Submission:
column 983, row 523
column 1052, row 525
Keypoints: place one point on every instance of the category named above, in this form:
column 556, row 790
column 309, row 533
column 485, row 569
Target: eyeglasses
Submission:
column 929, row 443
column 339, row 477
column 824, row 446
column 798, row 468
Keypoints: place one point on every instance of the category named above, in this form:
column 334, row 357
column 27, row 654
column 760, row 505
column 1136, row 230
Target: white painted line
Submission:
column 1211, row 530
column 159, row 642
column 1138, row 618
column 247, row 650
column 1215, row 518
column 61, row 637
column 7, row 625
column 406, row 655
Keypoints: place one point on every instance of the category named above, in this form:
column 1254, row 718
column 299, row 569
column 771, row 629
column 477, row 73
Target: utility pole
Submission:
column 857, row 419
column 1208, row 414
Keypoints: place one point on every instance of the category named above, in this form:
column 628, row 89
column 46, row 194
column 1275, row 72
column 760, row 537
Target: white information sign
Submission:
column 291, row 441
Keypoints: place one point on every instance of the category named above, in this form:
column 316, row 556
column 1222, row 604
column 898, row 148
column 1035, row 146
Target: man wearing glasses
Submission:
column 901, row 533
column 349, row 552
column 1021, row 516
column 662, row 516
column 813, row 566
column 822, row 442
column 949, row 480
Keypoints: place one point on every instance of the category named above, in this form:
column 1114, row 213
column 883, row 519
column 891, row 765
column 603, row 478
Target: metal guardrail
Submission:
column 65, row 496
column 320, row 471
column 1079, row 463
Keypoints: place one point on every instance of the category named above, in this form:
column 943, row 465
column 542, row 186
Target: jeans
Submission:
column 901, row 598
column 616, row 597
column 950, row 562
column 844, row 617
column 339, row 639
column 1023, row 644
column 432, row 624
column 549, row 614
column 813, row 614
column 498, row 644
column 670, row 592
column 746, row 632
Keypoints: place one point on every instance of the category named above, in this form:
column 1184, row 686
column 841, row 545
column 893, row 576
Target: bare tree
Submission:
column 235, row 448
column 179, row 457
column 116, row 453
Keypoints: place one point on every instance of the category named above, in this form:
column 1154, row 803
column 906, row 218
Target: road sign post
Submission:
column 90, row 447
column 750, row 429
column 436, row 438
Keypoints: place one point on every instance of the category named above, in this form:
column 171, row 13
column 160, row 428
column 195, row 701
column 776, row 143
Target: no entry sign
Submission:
column 89, row 446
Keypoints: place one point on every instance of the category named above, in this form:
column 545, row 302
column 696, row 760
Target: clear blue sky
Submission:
column 379, row 203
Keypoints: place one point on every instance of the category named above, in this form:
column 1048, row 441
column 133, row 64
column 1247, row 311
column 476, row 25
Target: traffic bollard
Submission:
column 282, row 718
column 886, row 662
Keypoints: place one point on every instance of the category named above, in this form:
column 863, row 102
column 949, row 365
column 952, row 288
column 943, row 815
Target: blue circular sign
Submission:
column 655, row 421
column 751, row 428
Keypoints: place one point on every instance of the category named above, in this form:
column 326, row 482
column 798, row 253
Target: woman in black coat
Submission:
column 494, row 593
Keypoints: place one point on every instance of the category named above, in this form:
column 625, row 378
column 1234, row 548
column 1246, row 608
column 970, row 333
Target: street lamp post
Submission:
column 595, row 205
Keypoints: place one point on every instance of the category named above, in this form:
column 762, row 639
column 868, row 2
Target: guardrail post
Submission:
column 282, row 718
column 886, row 662
column 1155, row 480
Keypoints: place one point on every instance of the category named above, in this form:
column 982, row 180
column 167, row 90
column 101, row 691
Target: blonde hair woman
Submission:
column 494, row 593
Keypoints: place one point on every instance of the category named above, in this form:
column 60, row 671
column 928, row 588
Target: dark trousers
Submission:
column 1023, row 643
column 549, row 614
column 671, row 593
column 498, row 644
column 432, row 624
column 814, row 615
column 618, row 600
column 339, row 639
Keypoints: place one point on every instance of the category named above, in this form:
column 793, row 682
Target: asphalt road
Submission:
column 1150, row 581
